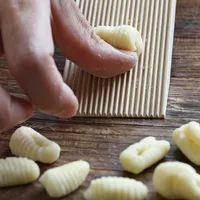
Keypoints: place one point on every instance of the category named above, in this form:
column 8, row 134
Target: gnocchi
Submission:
column 121, row 37
column 63, row 180
column 187, row 138
column 17, row 171
column 118, row 188
column 26, row 142
column 176, row 180
column 143, row 154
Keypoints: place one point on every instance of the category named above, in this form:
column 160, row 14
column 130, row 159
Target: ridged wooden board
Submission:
column 143, row 91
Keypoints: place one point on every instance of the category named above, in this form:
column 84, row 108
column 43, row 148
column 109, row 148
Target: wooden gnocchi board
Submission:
column 143, row 91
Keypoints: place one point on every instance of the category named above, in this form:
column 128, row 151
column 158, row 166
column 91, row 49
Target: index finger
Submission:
column 28, row 45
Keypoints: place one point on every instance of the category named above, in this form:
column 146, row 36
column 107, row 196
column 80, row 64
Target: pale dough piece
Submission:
column 61, row 181
column 121, row 37
column 17, row 171
column 143, row 154
column 187, row 138
column 176, row 180
column 116, row 188
column 26, row 142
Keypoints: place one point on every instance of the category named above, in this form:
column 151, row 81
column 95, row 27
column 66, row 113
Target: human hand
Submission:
column 27, row 29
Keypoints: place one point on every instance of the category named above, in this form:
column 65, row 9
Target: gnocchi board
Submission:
column 143, row 91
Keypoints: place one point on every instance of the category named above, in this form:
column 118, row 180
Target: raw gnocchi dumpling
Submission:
column 121, row 37
column 116, row 188
column 176, row 180
column 26, row 142
column 187, row 138
column 143, row 154
column 60, row 181
column 17, row 171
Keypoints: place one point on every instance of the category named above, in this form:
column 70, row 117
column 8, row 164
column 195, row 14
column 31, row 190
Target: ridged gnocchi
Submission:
column 121, row 37
column 176, row 180
column 143, row 154
column 116, row 188
column 60, row 181
column 17, row 171
column 187, row 138
column 26, row 142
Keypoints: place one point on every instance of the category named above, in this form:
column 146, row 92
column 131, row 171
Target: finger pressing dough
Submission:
column 26, row 142
column 60, row 181
column 121, row 37
column 17, row 171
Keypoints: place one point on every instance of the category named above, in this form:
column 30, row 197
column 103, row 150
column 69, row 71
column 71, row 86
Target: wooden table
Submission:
column 100, row 141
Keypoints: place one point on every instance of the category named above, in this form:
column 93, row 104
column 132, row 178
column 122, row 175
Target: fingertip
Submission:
column 103, row 60
column 120, row 62
column 69, row 112
column 71, row 105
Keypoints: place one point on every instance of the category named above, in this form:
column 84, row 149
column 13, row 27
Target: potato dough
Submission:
column 176, row 180
column 121, row 37
column 17, row 171
column 116, row 188
column 187, row 138
column 143, row 154
column 25, row 142
column 60, row 181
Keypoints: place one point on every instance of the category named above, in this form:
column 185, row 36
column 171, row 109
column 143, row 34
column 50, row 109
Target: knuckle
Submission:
column 29, row 62
column 25, row 61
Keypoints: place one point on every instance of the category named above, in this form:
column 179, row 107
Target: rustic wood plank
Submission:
column 186, row 58
column 100, row 140
column 188, row 9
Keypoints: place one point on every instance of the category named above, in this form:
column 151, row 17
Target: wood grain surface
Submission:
column 100, row 140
